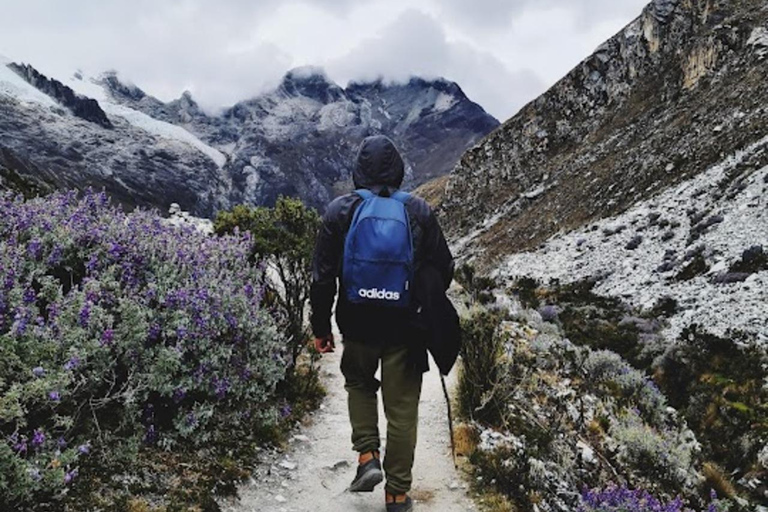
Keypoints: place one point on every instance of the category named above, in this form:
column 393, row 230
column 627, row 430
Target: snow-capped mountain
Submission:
column 298, row 140
column 48, row 138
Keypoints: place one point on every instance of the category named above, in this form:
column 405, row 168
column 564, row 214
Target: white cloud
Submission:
column 502, row 52
column 416, row 44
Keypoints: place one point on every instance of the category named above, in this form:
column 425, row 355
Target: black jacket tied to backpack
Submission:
column 380, row 169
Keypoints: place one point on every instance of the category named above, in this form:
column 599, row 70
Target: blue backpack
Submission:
column 378, row 252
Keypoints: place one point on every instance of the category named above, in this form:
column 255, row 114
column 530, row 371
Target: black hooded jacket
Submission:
column 379, row 169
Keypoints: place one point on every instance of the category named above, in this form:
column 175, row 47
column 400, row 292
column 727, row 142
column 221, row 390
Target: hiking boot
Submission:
column 401, row 503
column 368, row 476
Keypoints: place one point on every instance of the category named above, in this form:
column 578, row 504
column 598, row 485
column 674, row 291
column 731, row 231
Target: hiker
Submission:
column 374, row 243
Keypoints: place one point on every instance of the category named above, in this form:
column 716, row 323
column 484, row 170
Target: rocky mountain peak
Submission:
column 118, row 88
column 662, row 10
column 311, row 82
column 82, row 107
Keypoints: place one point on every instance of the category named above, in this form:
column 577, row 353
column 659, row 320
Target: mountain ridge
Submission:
column 298, row 139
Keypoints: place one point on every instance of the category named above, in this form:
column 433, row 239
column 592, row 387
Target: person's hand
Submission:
column 325, row 344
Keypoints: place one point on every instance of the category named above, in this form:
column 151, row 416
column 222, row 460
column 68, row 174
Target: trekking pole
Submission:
column 450, row 419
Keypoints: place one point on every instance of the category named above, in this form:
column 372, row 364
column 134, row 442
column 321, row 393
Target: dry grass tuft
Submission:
column 495, row 502
column 715, row 478
column 466, row 438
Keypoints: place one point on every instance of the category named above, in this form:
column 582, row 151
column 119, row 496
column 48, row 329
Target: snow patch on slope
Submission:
column 444, row 102
column 14, row 86
column 87, row 87
column 635, row 275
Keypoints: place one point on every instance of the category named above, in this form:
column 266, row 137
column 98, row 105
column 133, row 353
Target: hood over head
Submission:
column 379, row 165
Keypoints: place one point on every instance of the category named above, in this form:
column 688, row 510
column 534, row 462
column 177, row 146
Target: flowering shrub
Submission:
column 119, row 331
column 623, row 499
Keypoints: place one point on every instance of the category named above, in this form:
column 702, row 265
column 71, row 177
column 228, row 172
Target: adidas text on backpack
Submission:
column 378, row 252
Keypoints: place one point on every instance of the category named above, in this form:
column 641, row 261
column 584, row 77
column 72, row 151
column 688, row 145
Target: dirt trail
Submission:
column 314, row 473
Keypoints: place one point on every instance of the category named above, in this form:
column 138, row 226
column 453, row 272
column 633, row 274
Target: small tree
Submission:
column 284, row 238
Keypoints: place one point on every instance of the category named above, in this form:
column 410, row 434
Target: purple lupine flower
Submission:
column 115, row 250
column 22, row 322
column 38, row 438
column 54, row 396
column 56, row 255
column 620, row 499
column 191, row 419
column 70, row 475
column 72, row 364
column 179, row 394
column 20, row 446
column 53, row 310
column 84, row 449
column 107, row 338
column 150, row 436
column 285, row 411
column 38, row 371
column 29, row 296
column 221, row 387
column 35, row 248
column 93, row 262
column 61, row 443
column 154, row 332
column 85, row 315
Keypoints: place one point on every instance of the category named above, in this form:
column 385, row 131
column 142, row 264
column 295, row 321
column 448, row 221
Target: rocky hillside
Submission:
column 298, row 140
column 620, row 219
column 679, row 89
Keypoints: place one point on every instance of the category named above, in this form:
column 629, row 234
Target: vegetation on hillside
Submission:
column 561, row 391
column 140, row 363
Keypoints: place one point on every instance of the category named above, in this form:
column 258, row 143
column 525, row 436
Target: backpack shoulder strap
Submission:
column 401, row 196
column 365, row 193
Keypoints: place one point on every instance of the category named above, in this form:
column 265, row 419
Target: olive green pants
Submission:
column 400, row 389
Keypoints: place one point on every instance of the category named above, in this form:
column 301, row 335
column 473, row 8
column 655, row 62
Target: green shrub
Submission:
column 479, row 288
column 526, row 289
column 284, row 237
column 719, row 385
column 482, row 375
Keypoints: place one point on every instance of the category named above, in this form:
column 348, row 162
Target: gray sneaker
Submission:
column 368, row 476
column 406, row 506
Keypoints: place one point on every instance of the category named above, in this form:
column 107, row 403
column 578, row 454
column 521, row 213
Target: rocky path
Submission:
column 315, row 471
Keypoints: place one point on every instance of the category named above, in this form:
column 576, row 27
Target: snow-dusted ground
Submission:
column 180, row 218
column 90, row 88
column 16, row 87
column 634, row 275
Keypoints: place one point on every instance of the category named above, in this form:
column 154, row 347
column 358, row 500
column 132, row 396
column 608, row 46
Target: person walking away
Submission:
column 372, row 244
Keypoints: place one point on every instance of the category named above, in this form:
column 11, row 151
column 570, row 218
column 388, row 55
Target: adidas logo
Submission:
column 375, row 293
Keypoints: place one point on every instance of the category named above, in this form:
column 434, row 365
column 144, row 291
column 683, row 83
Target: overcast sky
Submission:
column 503, row 53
